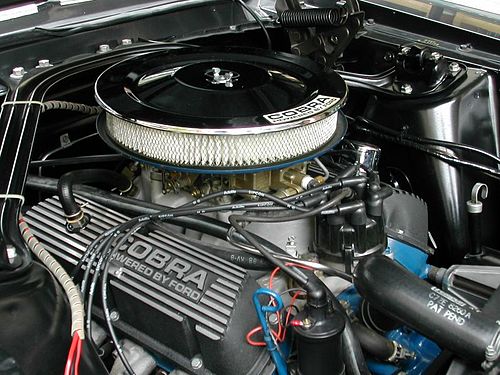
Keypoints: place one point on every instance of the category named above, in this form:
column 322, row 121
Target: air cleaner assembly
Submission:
column 220, row 110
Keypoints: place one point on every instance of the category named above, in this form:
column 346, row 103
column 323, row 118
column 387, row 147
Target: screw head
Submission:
column 454, row 67
column 389, row 56
column 406, row 88
column 44, row 63
column 435, row 56
column 114, row 315
column 104, row 48
column 126, row 42
column 405, row 50
column 196, row 363
column 273, row 318
column 306, row 323
column 18, row 72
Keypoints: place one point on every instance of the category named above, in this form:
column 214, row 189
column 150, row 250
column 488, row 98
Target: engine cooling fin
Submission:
column 224, row 110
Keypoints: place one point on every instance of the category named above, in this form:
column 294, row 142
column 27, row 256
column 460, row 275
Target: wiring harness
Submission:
column 72, row 292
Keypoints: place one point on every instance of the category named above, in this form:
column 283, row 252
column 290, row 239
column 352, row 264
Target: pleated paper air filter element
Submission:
column 220, row 111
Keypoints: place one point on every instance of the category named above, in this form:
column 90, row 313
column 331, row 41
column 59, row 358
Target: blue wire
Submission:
column 262, row 310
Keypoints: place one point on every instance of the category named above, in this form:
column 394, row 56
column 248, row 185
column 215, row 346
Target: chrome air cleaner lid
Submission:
column 220, row 110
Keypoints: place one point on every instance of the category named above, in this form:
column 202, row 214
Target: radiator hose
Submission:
column 450, row 322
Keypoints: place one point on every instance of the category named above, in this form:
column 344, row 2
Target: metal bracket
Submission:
column 475, row 206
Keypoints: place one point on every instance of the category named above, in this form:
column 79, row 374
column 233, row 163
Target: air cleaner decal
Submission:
column 319, row 104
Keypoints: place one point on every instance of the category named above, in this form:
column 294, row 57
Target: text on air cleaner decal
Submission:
column 319, row 104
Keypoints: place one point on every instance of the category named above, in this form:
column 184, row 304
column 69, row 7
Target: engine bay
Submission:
column 287, row 192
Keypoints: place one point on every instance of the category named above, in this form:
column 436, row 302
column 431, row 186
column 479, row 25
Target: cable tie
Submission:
column 13, row 196
column 23, row 102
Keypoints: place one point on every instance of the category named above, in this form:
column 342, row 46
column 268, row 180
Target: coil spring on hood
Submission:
column 314, row 17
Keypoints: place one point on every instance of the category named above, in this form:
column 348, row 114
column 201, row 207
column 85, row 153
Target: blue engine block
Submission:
column 425, row 350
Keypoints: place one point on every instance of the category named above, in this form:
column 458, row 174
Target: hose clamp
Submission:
column 74, row 218
column 492, row 352
column 400, row 353
column 128, row 189
column 77, row 222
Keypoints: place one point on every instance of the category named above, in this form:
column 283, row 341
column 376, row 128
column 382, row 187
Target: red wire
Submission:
column 78, row 356
column 289, row 313
column 273, row 274
column 281, row 329
column 71, row 354
column 258, row 343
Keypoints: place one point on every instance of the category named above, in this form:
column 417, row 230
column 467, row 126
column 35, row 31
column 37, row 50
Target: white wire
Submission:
column 23, row 102
column 13, row 196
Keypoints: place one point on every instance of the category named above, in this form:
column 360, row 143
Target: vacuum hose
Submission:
column 447, row 320
column 75, row 218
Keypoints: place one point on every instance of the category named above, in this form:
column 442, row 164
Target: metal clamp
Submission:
column 492, row 352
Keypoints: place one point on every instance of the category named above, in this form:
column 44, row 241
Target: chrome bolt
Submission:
column 104, row 48
column 405, row 50
column 306, row 323
column 435, row 56
column 119, row 272
column 389, row 56
column 18, row 72
column 44, row 63
column 233, row 27
column 370, row 21
column 454, row 67
column 273, row 319
column 196, row 363
column 114, row 315
column 406, row 88
column 126, row 42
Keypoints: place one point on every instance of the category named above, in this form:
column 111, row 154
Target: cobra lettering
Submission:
column 317, row 105
column 176, row 272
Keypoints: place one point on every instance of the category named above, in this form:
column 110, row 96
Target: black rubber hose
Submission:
column 492, row 307
column 354, row 358
column 450, row 322
column 87, row 176
column 373, row 343
column 203, row 224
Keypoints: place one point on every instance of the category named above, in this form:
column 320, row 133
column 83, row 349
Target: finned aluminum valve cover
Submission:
column 220, row 110
column 173, row 295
